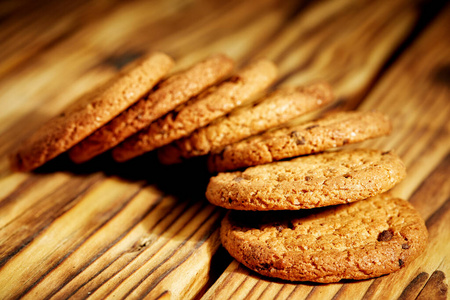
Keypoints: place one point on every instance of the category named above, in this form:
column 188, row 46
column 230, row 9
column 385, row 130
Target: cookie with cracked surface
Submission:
column 211, row 104
column 170, row 93
column 335, row 130
column 356, row 241
column 91, row 111
column 273, row 110
column 312, row 181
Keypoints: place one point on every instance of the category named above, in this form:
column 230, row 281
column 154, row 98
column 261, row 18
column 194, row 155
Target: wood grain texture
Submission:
column 141, row 230
column 398, row 96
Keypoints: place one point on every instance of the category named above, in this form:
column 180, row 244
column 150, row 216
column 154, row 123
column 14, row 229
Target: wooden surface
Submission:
column 141, row 230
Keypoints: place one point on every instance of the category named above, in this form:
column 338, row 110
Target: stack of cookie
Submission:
column 321, row 217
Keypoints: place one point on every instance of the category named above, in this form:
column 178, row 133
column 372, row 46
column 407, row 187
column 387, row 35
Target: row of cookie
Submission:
column 322, row 217
column 139, row 111
column 142, row 109
column 129, row 102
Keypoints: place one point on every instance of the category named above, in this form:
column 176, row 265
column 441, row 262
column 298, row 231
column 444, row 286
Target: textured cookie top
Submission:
column 215, row 102
column 354, row 241
column 308, row 182
column 273, row 110
column 91, row 111
column 170, row 93
column 332, row 131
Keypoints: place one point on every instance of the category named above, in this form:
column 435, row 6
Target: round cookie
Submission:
column 309, row 181
column 335, row 130
column 173, row 91
column 211, row 104
column 355, row 241
column 91, row 111
column 273, row 110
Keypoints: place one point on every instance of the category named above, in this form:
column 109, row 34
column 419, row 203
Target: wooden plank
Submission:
column 35, row 72
column 56, row 273
column 97, row 235
column 349, row 57
column 22, row 26
column 419, row 113
column 31, row 212
column 62, row 237
column 108, row 284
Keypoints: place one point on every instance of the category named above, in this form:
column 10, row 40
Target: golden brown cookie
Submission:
column 273, row 110
column 172, row 92
column 360, row 240
column 332, row 131
column 214, row 103
column 91, row 111
column 309, row 181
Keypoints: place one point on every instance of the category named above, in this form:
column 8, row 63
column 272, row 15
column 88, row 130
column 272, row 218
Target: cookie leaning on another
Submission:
column 91, row 111
column 355, row 241
column 273, row 110
column 335, row 130
column 168, row 94
column 208, row 106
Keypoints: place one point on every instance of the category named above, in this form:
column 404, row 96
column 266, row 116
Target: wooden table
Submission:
column 144, row 230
